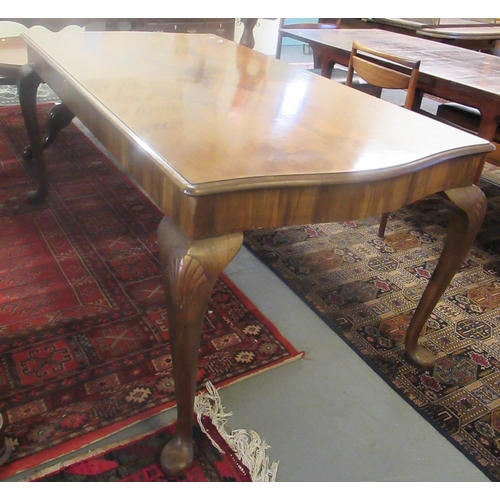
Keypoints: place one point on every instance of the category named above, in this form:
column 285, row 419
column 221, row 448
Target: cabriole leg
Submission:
column 190, row 269
column 468, row 208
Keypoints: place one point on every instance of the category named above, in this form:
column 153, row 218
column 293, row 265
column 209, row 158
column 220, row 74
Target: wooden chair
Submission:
column 386, row 72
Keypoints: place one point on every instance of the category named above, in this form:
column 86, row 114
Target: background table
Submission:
column 453, row 73
column 475, row 34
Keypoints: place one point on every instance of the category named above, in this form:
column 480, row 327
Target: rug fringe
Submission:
column 248, row 446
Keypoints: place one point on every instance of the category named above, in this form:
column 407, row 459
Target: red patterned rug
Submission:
column 367, row 288
column 84, row 345
column 138, row 461
column 221, row 455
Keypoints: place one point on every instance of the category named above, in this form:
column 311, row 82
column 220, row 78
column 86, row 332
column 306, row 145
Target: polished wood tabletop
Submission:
column 475, row 34
column 475, row 70
column 225, row 139
column 446, row 28
column 217, row 118
column 462, row 33
column 454, row 73
column 436, row 22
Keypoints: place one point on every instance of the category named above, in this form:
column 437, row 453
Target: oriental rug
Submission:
column 367, row 288
column 221, row 454
column 84, row 339
column 9, row 94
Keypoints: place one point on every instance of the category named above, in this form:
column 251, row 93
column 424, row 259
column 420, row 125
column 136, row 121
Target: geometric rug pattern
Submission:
column 367, row 288
column 138, row 460
column 84, row 337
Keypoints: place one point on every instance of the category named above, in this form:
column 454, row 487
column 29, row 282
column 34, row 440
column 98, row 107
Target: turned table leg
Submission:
column 468, row 208
column 189, row 269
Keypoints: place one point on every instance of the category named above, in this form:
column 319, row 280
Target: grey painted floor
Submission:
column 327, row 417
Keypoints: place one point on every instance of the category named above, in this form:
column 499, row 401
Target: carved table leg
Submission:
column 190, row 269
column 5, row 444
column 60, row 117
column 28, row 85
column 468, row 208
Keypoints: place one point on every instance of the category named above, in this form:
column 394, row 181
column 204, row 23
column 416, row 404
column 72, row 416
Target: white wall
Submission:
column 265, row 34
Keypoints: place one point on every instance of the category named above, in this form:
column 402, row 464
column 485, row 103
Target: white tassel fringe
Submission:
column 247, row 446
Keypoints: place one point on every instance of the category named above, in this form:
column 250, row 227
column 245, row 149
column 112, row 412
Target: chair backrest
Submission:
column 301, row 26
column 383, row 70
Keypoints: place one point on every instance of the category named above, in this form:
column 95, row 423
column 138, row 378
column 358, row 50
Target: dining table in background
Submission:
column 469, row 33
column 225, row 139
column 452, row 73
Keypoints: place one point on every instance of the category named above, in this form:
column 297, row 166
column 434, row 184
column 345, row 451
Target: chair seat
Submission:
column 468, row 118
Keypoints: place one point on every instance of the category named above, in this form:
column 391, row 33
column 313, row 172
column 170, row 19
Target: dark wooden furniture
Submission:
column 13, row 56
column 223, row 27
column 338, row 74
column 384, row 71
column 473, row 34
column 261, row 157
column 469, row 118
column 453, row 73
column 13, row 50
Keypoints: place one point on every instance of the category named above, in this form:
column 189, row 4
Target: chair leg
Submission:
column 383, row 223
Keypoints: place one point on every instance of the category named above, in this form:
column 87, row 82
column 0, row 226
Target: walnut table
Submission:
column 226, row 139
